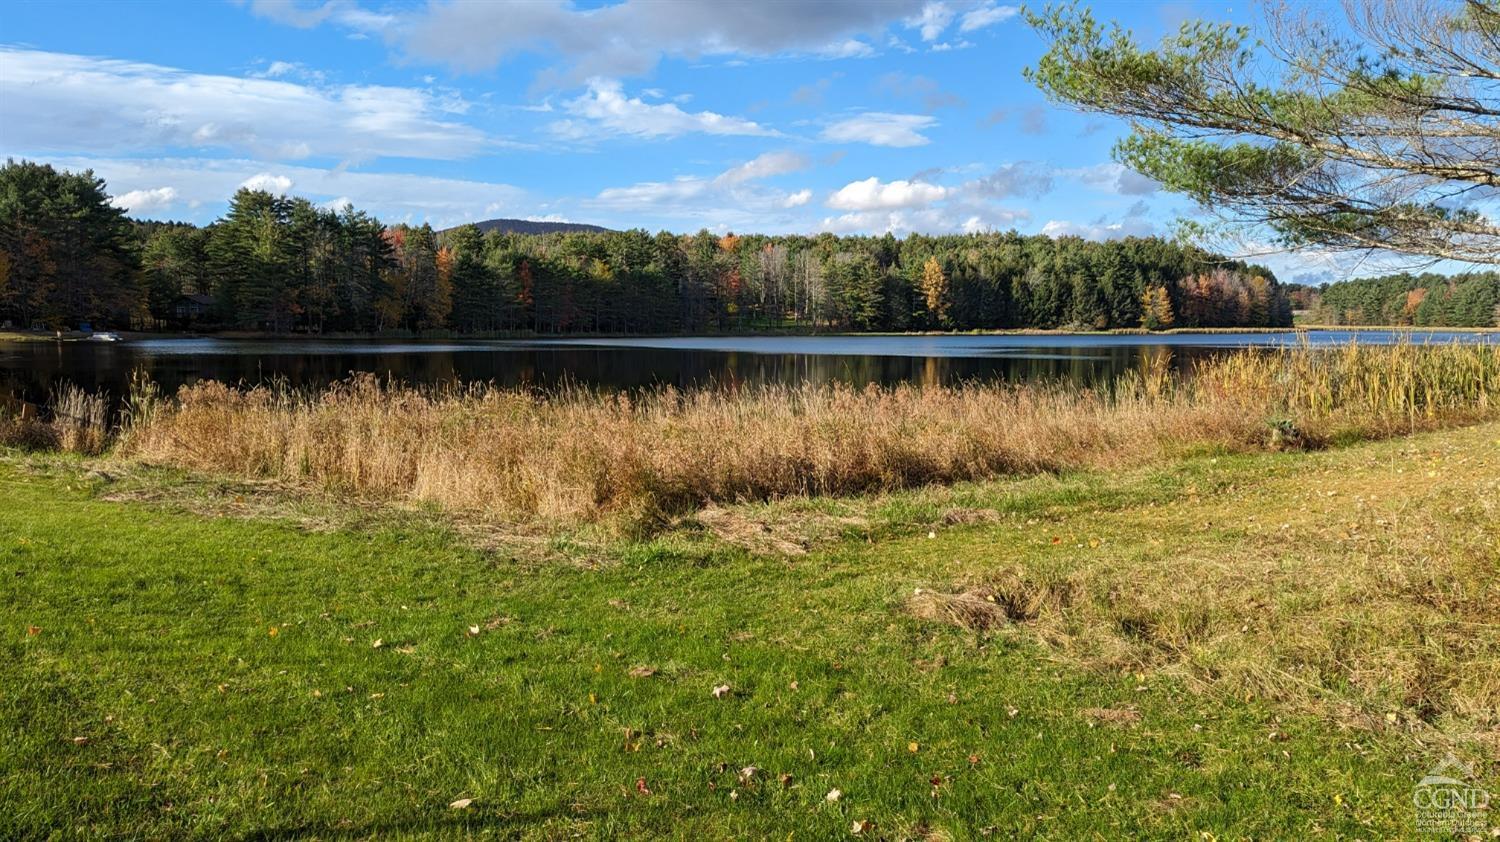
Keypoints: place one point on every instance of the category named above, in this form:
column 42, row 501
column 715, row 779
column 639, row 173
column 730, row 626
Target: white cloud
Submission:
column 766, row 165
column 798, row 199
column 604, row 110
column 872, row 194
column 932, row 20
column 987, row 15
column 278, row 184
column 925, row 221
column 881, row 129
column 147, row 200
column 80, row 104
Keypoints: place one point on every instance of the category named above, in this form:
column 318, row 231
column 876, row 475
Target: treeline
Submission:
column 282, row 263
column 1426, row 300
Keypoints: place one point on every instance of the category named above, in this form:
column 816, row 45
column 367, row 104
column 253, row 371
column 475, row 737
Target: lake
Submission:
column 32, row 369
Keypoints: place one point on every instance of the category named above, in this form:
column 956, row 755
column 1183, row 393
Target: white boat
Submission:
column 106, row 336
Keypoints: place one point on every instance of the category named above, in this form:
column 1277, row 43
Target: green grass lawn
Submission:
column 176, row 668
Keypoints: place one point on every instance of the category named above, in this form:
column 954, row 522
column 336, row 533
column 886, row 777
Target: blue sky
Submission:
column 851, row 116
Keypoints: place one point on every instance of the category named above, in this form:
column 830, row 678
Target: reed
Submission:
column 580, row 455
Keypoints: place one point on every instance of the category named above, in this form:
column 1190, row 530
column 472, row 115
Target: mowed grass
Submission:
column 167, row 672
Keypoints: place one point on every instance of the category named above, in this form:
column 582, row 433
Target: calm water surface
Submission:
column 34, row 368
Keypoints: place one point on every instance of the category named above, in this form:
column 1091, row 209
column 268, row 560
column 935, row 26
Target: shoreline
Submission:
column 127, row 335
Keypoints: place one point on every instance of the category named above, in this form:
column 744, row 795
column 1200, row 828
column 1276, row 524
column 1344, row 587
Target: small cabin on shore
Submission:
column 192, row 308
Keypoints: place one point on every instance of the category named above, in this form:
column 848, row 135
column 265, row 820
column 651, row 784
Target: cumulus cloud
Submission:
column 72, row 104
column 873, row 194
column 923, row 221
column 605, row 110
column 147, row 200
column 987, row 15
column 278, row 184
column 798, row 199
column 915, row 204
column 878, row 128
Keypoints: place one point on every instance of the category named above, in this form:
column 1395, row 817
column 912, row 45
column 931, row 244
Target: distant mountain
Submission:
column 532, row 226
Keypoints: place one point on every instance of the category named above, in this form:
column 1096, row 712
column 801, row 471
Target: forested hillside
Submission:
column 1427, row 300
column 285, row 264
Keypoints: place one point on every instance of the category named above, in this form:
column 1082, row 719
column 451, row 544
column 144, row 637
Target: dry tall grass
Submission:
column 78, row 422
column 578, row 455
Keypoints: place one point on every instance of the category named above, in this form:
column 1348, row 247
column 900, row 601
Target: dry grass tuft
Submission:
column 78, row 423
column 974, row 610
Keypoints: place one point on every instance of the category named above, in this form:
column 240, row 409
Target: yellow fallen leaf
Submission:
column 912, row 747
column 273, row 631
column 461, row 804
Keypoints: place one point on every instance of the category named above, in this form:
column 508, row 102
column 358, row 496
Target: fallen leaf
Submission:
column 273, row 631
column 78, row 741
column 748, row 774
column 33, row 631
column 473, row 631
column 860, row 827
column 461, row 804
column 720, row 691
column 377, row 644
column 640, row 786
column 833, row 795
column 641, row 672
column 912, row 747
column 786, row 779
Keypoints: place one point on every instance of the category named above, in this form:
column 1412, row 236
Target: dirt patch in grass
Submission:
column 1111, row 716
column 784, row 530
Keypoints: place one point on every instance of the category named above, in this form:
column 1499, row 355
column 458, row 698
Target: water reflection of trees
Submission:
column 34, row 369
